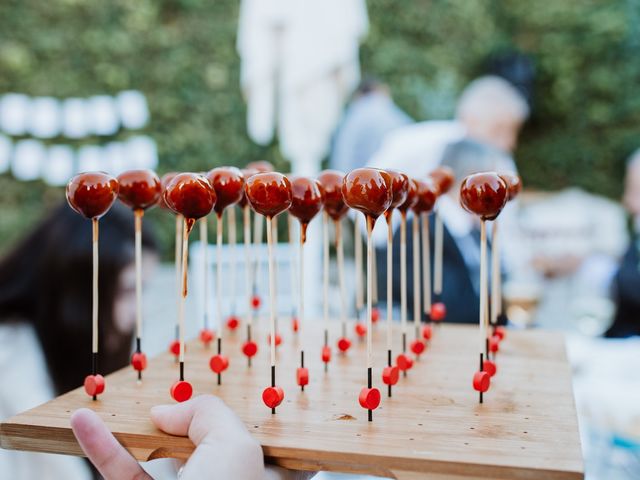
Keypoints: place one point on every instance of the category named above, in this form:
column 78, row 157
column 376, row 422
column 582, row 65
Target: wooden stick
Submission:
column 415, row 228
column 221, row 325
column 496, row 293
column 403, row 280
column 137, row 215
column 231, row 223
column 257, row 239
column 483, row 292
column 204, row 241
column 94, row 303
column 426, row 265
column 370, row 222
column 357, row 245
column 272, row 312
column 340, row 255
column 301, row 292
column 389, row 280
column 246, row 220
column 183, row 296
column 374, row 276
column 290, row 230
column 178, row 262
column 437, row 256
column 325, row 286
column 274, row 226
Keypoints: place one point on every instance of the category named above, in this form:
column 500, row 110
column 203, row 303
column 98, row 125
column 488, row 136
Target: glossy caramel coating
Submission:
column 331, row 181
column 307, row 198
column 268, row 193
column 443, row 177
column 228, row 182
column 246, row 173
column 91, row 194
column 139, row 189
column 426, row 196
column 261, row 166
column 484, row 194
column 514, row 185
column 411, row 199
column 190, row 195
column 368, row 190
column 399, row 188
column 164, row 181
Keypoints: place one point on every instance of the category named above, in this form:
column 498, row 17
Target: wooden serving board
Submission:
column 432, row 427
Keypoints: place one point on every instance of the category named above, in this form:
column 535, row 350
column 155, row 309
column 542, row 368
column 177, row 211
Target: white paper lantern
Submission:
column 28, row 158
column 115, row 158
column 90, row 159
column 14, row 113
column 58, row 168
column 45, row 117
column 142, row 152
column 133, row 109
column 5, row 153
column 103, row 115
column 75, row 121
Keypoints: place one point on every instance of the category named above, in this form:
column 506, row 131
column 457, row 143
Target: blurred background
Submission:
column 179, row 85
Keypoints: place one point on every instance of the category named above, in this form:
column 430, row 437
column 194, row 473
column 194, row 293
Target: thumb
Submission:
column 220, row 437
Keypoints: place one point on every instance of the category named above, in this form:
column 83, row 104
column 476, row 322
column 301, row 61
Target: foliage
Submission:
column 181, row 54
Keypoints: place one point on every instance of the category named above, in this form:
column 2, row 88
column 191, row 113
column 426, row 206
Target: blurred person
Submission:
column 626, row 281
column 461, row 241
column 490, row 110
column 370, row 115
column 45, row 320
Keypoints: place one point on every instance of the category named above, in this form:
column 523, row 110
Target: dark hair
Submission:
column 46, row 281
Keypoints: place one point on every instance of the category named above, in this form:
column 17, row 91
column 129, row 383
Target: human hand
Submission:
column 224, row 447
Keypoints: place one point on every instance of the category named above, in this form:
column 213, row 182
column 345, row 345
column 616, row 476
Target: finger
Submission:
column 103, row 450
column 196, row 418
column 221, row 439
column 278, row 473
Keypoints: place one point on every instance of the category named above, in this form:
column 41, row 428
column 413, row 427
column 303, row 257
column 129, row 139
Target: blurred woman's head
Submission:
column 46, row 281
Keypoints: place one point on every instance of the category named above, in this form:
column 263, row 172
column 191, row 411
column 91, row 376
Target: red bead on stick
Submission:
column 494, row 344
column 489, row 367
column 278, row 339
column 375, row 315
column 361, row 329
column 427, row 332
column 500, row 332
column 255, row 302
column 272, row 396
column 174, row 348
column 404, row 362
column 369, row 398
column 233, row 322
column 481, row 381
column 438, row 311
column 417, row 347
column 302, row 376
column 390, row 375
column 250, row 348
column 139, row 361
column 344, row 344
column 295, row 324
column 206, row 337
column 219, row 363
column 94, row 385
column 326, row 354
column 181, row 391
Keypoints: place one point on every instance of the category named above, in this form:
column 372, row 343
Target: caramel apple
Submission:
column 400, row 190
column 369, row 191
column 140, row 190
column 484, row 194
column 91, row 195
column 228, row 183
column 261, row 166
column 443, row 177
column 514, row 185
column 331, row 181
column 191, row 196
column 270, row 194
column 307, row 200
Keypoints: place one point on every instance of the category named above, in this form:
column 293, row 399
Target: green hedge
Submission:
column 181, row 54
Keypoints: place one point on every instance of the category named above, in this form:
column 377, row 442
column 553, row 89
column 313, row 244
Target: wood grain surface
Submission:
column 432, row 427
